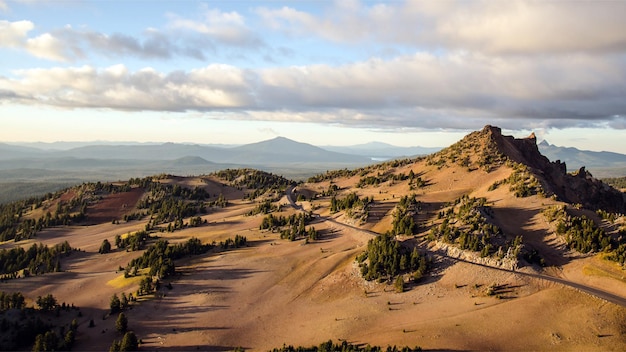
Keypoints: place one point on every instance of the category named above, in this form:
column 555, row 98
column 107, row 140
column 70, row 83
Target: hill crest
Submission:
column 492, row 149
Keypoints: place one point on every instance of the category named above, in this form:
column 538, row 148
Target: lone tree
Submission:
column 115, row 303
column 129, row 342
column 121, row 324
column 105, row 247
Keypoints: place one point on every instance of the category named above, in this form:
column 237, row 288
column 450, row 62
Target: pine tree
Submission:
column 129, row 342
column 121, row 324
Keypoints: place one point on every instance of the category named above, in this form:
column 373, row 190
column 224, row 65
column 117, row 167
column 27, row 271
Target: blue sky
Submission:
column 322, row 72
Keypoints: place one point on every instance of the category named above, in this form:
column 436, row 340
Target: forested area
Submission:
column 403, row 217
column 37, row 259
column 584, row 235
column 345, row 346
column 386, row 258
column 292, row 227
column 159, row 258
column 22, row 327
column 465, row 224
column 261, row 182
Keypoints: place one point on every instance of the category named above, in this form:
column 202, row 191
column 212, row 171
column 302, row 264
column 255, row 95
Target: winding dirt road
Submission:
column 596, row 292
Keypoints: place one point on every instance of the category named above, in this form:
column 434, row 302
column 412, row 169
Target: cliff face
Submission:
column 580, row 187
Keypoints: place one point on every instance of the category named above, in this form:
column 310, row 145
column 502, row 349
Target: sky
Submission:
column 408, row 73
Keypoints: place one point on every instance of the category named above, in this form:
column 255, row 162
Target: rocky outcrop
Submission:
column 578, row 188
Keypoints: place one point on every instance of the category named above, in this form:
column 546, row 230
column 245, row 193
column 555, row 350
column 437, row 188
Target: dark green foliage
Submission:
column 13, row 226
column 105, row 247
column 239, row 241
column 133, row 241
column 261, row 181
column 172, row 203
column 11, row 300
column 352, row 200
column 403, row 223
column 47, row 302
column 264, row 207
column 115, row 304
column 121, row 324
column 385, row 258
column 344, row 346
column 160, row 257
column 292, row 227
column 582, row 234
column 522, row 182
column 477, row 150
column 38, row 259
column 368, row 180
column 129, row 342
column 28, row 327
column 465, row 224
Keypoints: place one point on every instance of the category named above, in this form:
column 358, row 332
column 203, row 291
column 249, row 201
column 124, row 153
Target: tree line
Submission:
column 32, row 327
column 37, row 259
column 386, row 258
column 292, row 227
column 344, row 346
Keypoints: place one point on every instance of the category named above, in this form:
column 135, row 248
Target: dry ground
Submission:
column 277, row 292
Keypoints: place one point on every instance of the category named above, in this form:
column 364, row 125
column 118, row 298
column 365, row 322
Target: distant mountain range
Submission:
column 601, row 164
column 107, row 161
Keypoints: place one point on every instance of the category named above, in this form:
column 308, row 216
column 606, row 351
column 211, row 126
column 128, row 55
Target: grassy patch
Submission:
column 613, row 272
column 121, row 281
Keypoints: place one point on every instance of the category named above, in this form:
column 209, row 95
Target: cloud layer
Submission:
column 458, row 65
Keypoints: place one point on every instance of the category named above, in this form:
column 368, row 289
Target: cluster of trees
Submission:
column 220, row 202
column 129, row 342
column 50, row 341
column 619, row 253
column 120, row 303
column 28, row 326
column 584, row 235
column 403, row 222
column 385, row 259
column 344, row 346
column 352, row 200
column 132, row 241
column 264, row 207
column 292, row 227
column 11, row 300
column 260, row 181
column 521, row 182
column 368, row 180
column 238, row 241
column 468, row 228
column 330, row 175
column 14, row 227
column 160, row 257
column 580, row 232
column 37, row 259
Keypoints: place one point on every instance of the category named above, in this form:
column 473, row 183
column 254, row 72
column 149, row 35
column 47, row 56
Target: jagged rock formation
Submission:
column 578, row 188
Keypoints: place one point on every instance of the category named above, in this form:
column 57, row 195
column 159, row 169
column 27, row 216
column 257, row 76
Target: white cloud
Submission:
column 422, row 90
column 227, row 28
column 497, row 27
column 13, row 34
column 213, row 87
